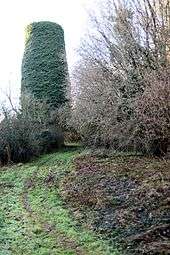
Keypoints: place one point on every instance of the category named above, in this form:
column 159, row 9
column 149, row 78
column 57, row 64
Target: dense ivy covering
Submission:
column 44, row 65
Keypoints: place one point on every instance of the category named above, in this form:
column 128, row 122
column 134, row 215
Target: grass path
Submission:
column 33, row 218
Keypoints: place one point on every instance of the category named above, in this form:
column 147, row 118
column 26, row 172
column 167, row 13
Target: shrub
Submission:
column 49, row 140
column 27, row 133
column 16, row 141
column 64, row 119
column 153, row 115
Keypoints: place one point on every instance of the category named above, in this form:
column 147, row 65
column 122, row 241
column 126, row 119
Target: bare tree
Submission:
column 127, row 42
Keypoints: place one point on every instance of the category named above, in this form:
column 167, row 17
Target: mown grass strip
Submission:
column 33, row 217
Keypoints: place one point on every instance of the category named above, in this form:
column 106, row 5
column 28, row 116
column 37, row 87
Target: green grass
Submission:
column 33, row 218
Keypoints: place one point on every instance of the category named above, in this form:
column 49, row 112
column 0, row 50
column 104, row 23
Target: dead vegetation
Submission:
column 126, row 199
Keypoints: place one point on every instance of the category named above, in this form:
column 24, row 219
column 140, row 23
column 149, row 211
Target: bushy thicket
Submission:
column 44, row 65
column 122, row 79
column 152, row 112
column 27, row 133
column 64, row 119
column 16, row 141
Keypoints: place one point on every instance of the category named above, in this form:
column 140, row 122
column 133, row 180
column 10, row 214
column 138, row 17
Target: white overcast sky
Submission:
column 16, row 14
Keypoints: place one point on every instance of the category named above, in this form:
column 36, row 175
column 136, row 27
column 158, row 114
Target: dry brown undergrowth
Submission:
column 124, row 198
